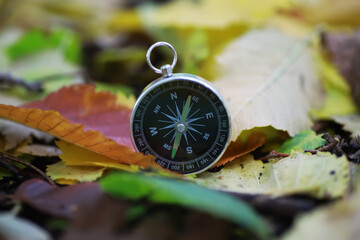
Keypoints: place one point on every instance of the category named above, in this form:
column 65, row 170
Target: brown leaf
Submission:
column 102, row 219
column 95, row 110
column 57, row 201
column 239, row 148
column 107, row 219
column 88, row 116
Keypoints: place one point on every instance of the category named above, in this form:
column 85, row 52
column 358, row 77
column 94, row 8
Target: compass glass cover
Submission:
column 183, row 123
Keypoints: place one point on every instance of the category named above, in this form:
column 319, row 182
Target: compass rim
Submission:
column 191, row 78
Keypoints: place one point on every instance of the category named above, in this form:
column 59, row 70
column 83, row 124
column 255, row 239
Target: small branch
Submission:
column 37, row 84
column 6, row 158
column 9, row 80
column 333, row 141
column 274, row 154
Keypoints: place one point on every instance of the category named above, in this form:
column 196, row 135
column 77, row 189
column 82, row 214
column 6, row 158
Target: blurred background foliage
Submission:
column 49, row 43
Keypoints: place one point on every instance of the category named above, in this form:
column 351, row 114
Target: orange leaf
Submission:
column 239, row 148
column 88, row 119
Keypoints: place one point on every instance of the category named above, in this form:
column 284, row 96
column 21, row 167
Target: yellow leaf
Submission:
column 268, row 79
column 59, row 171
column 345, row 12
column 322, row 176
column 78, row 156
column 338, row 99
column 212, row 13
column 339, row 220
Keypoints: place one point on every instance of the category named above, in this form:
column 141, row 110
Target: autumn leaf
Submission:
column 240, row 148
column 54, row 200
column 322, row 176
column 82, row 105
column 335, row 12
column 338, row 220
column 15, row 134
column 342, row 48
column 338, row 99
column 350, row 123
column 212, row 13
column 269, row 79
column 61, row 172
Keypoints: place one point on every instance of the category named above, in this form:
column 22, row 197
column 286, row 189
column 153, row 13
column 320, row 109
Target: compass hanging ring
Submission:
column 166, row 69
column 181, row 119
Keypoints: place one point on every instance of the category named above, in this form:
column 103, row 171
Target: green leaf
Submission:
column 36, row 41
column 169, row 191
column 304, row 140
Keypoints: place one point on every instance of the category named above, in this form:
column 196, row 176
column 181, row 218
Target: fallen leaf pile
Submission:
column 287, row 70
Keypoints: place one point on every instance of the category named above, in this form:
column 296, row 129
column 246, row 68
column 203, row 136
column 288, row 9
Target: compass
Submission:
column 180, row 119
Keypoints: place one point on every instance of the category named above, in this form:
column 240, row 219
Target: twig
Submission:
column 274, row 154
column 331, row 140
column 9, row 80
column 36, row 84
column 6, row 157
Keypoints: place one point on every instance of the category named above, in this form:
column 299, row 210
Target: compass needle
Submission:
column 181, row 126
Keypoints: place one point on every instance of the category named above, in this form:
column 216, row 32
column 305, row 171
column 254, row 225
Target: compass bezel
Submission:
column 182, row 77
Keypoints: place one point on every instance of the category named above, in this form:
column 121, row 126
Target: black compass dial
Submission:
column 183, row 123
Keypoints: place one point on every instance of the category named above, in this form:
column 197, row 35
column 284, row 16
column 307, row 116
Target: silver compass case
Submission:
column 181, row 119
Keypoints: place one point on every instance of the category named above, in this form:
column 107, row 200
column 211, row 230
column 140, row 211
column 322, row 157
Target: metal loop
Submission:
column 158, row 44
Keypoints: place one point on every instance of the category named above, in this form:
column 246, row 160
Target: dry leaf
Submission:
column 212, row 13
column 339, row 220
column 345, row 12
column 239, row 148
column 322, row 176
column 95, row 110
column 344, row 50
column 269, row 79
column 350, row 123
column 39, row 150
column 82, row 104
column 59, row 171
column 57, row 201
column 16, row 134
column 338, row 93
